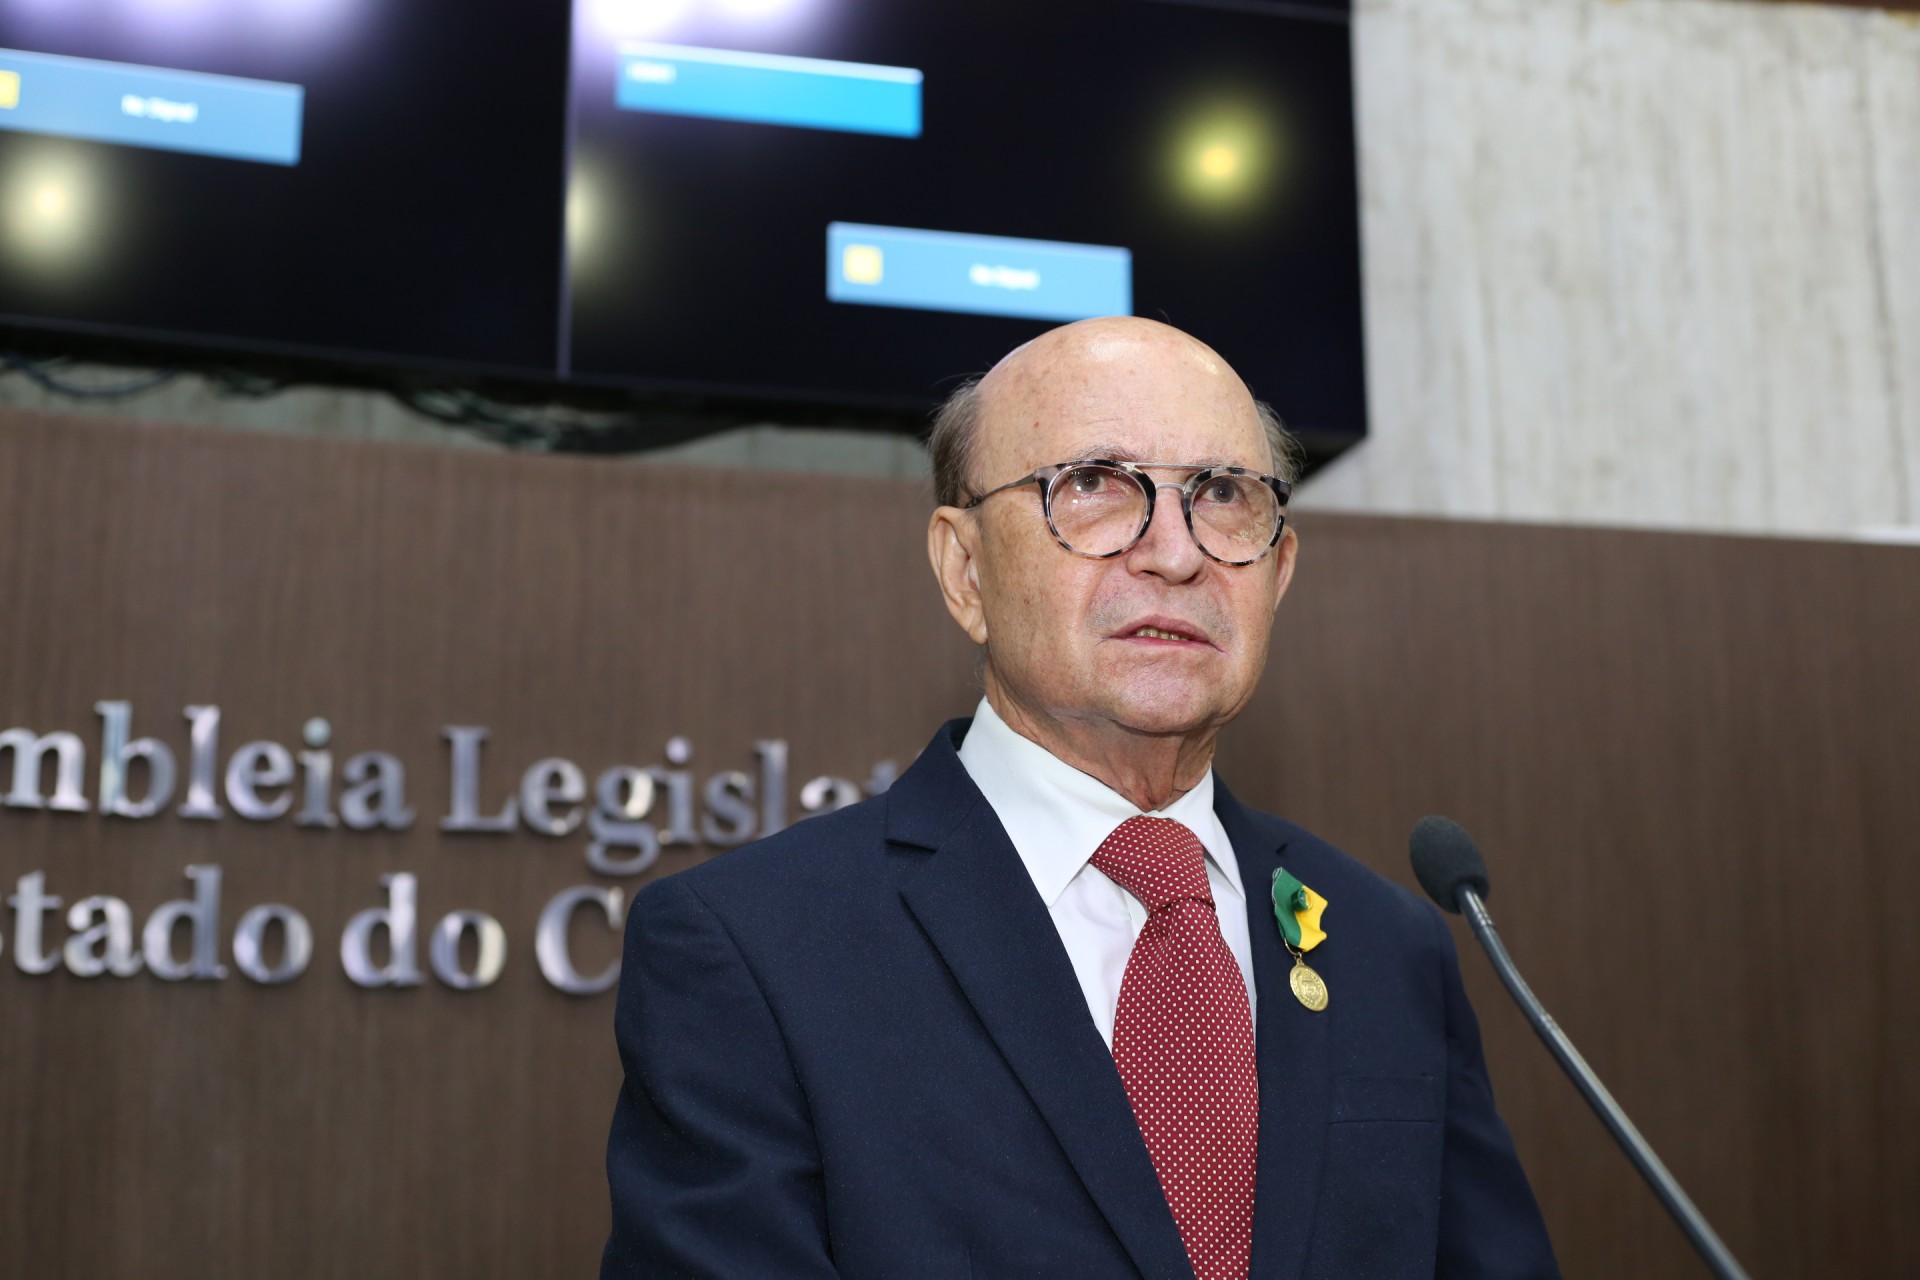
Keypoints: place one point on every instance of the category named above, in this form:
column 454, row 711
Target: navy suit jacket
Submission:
column 858, row 1049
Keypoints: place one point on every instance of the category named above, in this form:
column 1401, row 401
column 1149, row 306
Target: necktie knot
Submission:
column 1157, row 860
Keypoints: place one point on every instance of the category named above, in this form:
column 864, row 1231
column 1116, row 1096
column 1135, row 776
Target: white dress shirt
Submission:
column 1057, row 818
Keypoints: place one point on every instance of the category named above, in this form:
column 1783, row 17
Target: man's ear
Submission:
column 1283, row 559
column 952, row 546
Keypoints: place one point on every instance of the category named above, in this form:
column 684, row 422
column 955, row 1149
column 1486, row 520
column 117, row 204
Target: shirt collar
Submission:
column 1057, row 816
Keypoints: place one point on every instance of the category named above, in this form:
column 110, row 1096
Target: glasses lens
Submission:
column 1235, row 518
column 1097, row 510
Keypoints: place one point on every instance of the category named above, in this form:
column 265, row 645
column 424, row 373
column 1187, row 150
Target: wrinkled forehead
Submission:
column 1161, row 399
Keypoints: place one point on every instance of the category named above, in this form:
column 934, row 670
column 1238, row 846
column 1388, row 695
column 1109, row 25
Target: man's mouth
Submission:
column 1166, row 630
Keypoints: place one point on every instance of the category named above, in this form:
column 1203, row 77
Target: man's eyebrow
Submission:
column 1120, row 453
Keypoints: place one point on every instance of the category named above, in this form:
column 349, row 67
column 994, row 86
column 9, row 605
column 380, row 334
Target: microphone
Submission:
column 1451, row 870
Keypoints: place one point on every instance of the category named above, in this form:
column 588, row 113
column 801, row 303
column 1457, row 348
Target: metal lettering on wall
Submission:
column 627, row 815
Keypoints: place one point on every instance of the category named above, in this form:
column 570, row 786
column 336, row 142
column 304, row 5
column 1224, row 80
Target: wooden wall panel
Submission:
column 1689, row 759
column 579, row 609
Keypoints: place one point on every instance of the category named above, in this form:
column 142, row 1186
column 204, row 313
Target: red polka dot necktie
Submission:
column 1183, row 1040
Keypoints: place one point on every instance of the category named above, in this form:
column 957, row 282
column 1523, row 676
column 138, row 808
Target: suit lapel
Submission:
column 1290, row 1044
column 978, row 907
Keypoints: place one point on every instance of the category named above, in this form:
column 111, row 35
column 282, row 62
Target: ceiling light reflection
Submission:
column 1225, row 156
column 698, row 21
column 1219, row 163
column 308, row 18
column 50, row 205
column 756, row 8
column 585, row 219
column 177, row 22
column 174, row 25
column 626, row 19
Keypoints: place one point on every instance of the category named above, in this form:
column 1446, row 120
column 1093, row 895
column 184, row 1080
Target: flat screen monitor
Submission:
column 363, row 179
column 855, row 199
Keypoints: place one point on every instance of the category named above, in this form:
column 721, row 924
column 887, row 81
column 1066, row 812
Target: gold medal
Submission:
column 1308, row 989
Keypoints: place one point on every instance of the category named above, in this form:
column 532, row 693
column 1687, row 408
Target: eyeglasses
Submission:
column 1099, row 508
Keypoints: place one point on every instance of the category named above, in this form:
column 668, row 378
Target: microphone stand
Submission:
column 1689, row 1218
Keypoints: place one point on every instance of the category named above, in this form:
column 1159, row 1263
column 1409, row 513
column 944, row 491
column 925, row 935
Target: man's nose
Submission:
column 1167, row 549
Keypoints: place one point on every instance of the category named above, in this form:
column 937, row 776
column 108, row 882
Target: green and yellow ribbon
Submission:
column 1297, row 910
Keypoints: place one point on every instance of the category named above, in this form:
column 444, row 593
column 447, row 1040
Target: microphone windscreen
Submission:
column 1445, row 859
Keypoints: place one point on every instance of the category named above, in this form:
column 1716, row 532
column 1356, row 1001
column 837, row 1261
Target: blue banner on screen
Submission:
column 765, row 88
column 978, row 275
column 151, row 107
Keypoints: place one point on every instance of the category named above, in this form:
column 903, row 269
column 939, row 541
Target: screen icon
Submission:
column 862, row 264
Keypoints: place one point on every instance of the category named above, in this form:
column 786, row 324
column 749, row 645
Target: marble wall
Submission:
column 1639, row 262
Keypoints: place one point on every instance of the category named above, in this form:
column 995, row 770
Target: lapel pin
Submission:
column 1297, row 910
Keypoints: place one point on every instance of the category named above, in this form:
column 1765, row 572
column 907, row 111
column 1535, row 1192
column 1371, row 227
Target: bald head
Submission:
column 1054, row 364
column 1091, row 371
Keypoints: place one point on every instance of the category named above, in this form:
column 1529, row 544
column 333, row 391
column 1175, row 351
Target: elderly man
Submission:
column 1044, row 1008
